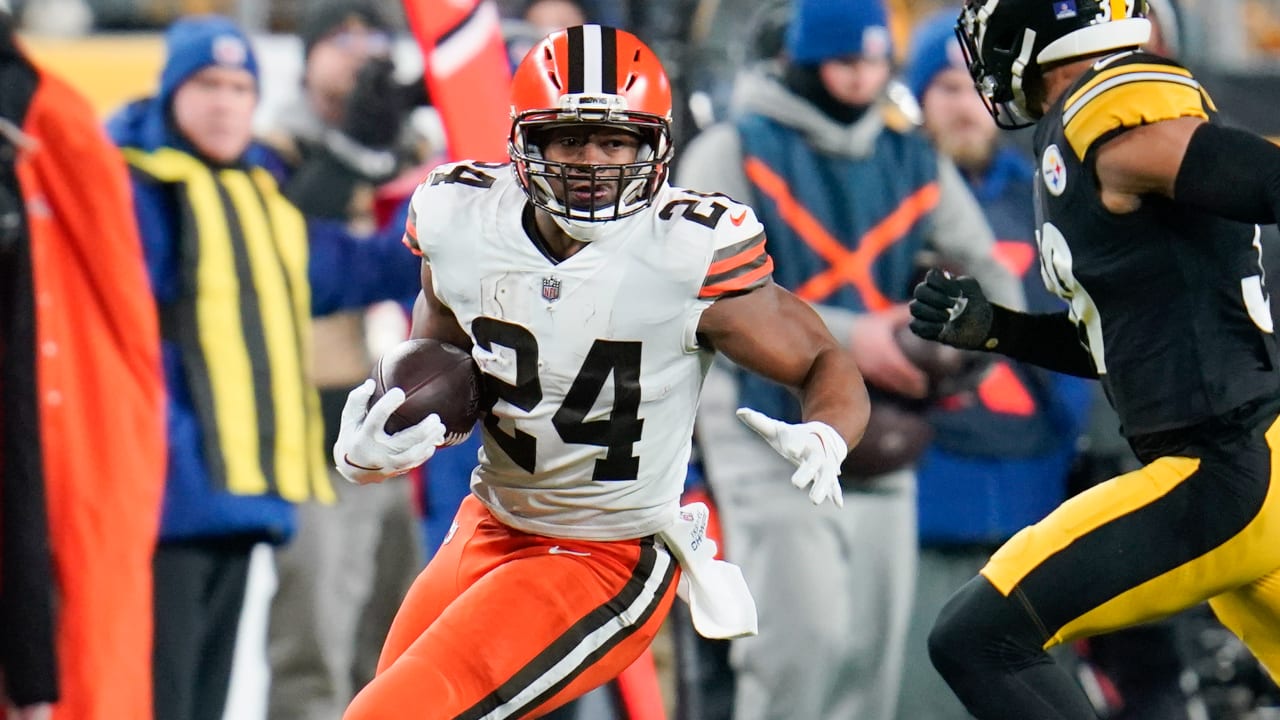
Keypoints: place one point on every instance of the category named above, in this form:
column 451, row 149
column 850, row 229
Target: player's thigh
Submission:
column 530, row 634
column 1149, row 543
column 437, row 585
column 1253, row 614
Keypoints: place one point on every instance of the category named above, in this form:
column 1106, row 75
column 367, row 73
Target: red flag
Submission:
column 467, row 73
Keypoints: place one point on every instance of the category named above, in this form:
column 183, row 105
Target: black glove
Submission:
column 375, row 108
column 952, row 310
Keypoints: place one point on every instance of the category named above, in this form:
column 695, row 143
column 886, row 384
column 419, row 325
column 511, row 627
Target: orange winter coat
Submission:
column 99, row 394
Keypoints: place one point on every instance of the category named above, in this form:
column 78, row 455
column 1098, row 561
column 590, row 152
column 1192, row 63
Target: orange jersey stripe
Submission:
column 744, row 257
column 740, row 282
column 410, row 238
column 412, row 244
column 411, row 224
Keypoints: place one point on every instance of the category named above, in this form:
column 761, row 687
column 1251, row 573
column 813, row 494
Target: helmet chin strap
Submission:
column 1019, row 70
column 584, row 231
column 581, row 230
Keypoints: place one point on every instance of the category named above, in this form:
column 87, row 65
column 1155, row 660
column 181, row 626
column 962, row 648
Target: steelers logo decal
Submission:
column 1053, row 170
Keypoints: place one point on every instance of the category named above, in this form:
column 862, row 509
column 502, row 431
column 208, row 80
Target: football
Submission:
column 436, row 378
column 897, row 433
column 949, row 370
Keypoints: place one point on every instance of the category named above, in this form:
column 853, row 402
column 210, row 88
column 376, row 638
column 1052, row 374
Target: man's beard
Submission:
column 966, row 154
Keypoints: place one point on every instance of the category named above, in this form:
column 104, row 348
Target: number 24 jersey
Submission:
column 594, row 360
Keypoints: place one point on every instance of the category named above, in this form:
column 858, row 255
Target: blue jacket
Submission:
column 999, row 459
column 344, row 272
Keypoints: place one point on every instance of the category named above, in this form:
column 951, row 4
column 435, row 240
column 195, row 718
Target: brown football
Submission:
column 949, row 370
column 436, row 378
column 896, row 436
column 898, row 431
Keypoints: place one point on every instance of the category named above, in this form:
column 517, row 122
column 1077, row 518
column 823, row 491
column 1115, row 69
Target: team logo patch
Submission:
column 1064, row 9
column 1053, row 170
column 551, row 288
column 229, row 50
column 876, row 42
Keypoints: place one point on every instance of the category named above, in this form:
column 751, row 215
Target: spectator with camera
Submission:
column 339, row 148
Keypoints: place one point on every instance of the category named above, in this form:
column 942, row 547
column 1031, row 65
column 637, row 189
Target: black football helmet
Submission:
column 1003, row 39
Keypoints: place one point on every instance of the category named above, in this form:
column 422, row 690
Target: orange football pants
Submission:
column 504, row 624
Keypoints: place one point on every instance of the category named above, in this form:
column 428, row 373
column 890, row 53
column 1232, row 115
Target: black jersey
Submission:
column 1171, row 302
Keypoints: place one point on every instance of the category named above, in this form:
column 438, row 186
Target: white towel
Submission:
column 719, row 599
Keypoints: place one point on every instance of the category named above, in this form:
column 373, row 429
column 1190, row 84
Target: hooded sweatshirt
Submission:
column 875, row 181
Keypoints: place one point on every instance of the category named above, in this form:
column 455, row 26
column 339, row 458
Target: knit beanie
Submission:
column 824, row 30
column 934, row 48
column 325, row 16
column 195, row 43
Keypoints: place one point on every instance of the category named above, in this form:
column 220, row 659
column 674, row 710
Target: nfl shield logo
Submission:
column 550, row 289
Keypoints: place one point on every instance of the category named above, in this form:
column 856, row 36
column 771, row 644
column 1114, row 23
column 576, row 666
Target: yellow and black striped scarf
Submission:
column 243, row 323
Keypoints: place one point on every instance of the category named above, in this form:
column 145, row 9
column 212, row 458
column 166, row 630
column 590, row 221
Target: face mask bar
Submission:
column 544, row 176
column 997, row 93
column 634, row 184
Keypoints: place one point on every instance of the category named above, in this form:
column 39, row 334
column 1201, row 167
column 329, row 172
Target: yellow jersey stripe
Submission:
column 1208, row 101
column 1083, row 514
column 1130, row 103
column 1119, row 70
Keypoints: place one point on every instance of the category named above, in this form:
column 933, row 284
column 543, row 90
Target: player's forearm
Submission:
column 1048, row 340
column 835, row 394
column 1231, row 173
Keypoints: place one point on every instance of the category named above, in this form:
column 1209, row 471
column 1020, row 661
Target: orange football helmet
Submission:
column 598, row 75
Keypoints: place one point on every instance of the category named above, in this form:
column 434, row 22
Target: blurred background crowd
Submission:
column 273, row 604
column 110, row 45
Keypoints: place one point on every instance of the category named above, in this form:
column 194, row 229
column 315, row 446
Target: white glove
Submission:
column 365, row 453
column 815, row 447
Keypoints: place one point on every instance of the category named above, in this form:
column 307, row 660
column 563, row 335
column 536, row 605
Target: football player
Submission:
column 1147, row 212
column 592, row 295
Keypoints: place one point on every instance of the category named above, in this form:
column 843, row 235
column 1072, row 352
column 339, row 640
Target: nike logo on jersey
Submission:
column 737, row 219
column 1104, row 62
column 557, row 550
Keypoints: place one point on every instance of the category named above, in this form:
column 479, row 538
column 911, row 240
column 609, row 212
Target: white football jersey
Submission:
column 594, row 359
